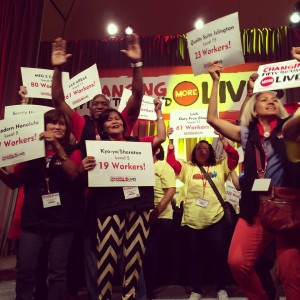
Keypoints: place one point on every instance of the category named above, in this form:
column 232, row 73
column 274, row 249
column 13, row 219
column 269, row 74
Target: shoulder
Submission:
column 244, row 131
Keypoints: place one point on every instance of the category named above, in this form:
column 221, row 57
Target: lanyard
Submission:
column 48, row 165
column 204, row 182
column 97, row 135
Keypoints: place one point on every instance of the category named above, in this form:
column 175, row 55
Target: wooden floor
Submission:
column 174, row 292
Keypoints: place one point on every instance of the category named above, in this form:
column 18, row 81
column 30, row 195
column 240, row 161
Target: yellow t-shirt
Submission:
column 199, row 214
column 164, row 178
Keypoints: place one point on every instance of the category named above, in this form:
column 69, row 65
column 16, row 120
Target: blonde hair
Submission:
column 249, row 114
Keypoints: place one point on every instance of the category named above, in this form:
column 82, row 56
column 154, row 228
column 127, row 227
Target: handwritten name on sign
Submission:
column 19, row 139
column 120, row 164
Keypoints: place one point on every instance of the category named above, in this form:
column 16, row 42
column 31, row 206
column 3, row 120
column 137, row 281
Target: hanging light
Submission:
column 199, row 24
column 295, row 16
column 112, row 29
column 129, row 30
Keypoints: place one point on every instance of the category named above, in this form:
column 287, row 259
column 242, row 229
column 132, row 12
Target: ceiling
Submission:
column 87, row 19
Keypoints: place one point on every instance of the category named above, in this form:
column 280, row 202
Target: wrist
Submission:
column 249, row 92
column 136, row 64
column 159, row 118
column 63, row 158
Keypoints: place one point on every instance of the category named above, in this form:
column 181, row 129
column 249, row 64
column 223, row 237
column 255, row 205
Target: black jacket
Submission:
column 69, row 214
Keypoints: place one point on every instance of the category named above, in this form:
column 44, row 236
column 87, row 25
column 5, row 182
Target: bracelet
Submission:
column 136, row 65
column 249, row 93
column 63, row 158
column 159, row 118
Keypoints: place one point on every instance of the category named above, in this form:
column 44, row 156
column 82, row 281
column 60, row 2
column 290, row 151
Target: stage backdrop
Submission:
column 181, row 90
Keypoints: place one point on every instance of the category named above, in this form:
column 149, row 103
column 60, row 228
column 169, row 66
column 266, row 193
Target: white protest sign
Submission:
column 24, row 110
column 147, row 111
column 240, row 151
column 275, row 76
column 19, row 139
column 121, row 164
column 219, row 40
column 217, row 145
column 190, row 124
column 232, row 195
column 39, row 82
column 218, row 148
column 83, row 87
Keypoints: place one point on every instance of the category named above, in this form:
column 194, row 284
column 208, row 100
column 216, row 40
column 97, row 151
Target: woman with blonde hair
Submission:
column 262, row 122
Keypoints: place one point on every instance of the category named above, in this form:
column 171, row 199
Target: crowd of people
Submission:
column 121, row 233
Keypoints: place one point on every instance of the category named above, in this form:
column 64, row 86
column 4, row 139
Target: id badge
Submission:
column 131, row 192
column 50, row 200
column 202, row 202
column 261, row 185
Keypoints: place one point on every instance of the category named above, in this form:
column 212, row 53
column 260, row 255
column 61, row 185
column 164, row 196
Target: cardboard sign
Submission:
column 219, row 40
column 120, row 164
column 19, row 139
column 24, row 110
column 83, row 87
column 190, row 124
column 281, row 75
column 39, row 82
column 147, row 111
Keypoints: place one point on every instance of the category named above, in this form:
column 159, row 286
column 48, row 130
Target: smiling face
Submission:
column 266, row 105
column 113, row 126
column 99, row 104
column 58, row 127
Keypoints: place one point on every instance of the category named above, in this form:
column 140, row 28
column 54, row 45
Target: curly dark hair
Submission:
column 211, row 158
column 161, row 154
column 104, row 117
column 53, row 116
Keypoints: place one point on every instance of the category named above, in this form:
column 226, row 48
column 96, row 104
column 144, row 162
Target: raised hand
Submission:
column 58, row 54
column 214, row 70
column 251, row 80
column 133, row 50
column 23, row 93
column 296, row 53
column 170, row 130
column 157, row 104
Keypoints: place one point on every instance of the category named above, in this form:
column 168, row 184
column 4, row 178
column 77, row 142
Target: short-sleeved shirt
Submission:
column 164, row 179
column 197, row 187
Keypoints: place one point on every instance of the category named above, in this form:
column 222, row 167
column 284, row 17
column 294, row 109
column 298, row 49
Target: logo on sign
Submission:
column 267, row 81
column 186, row 93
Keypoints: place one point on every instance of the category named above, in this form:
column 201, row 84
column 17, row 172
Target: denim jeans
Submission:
column 27, row 263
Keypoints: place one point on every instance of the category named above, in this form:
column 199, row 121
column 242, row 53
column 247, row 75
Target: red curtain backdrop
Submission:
column 20, row 30
column 259, row 45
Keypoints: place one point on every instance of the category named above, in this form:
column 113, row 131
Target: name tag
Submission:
column 202, row 202
column 131, row 192
column 261, row 185
column 50, row 200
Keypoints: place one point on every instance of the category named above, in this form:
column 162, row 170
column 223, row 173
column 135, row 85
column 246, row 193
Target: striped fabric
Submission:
column 127, row 232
